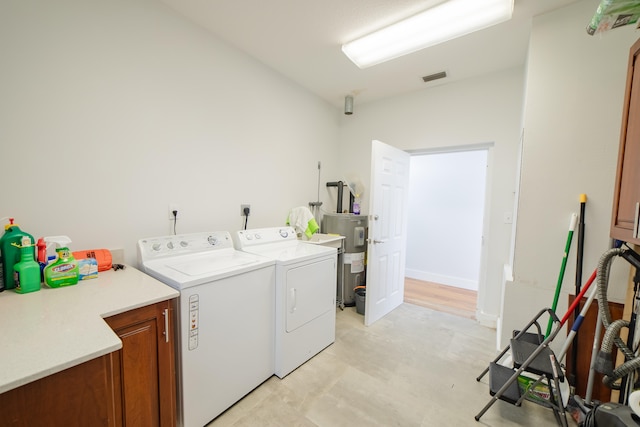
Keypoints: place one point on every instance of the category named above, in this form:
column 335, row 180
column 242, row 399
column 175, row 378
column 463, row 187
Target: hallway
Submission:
column 447, row 299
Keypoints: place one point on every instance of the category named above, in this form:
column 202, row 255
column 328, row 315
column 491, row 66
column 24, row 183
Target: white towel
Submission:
column 302, row 220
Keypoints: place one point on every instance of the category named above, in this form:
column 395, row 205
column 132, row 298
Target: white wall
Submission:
column 479, row 110
column 112, row 109
column 575, row 89
column 445, row 219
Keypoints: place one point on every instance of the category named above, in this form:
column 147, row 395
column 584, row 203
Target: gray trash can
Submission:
column 360, row 297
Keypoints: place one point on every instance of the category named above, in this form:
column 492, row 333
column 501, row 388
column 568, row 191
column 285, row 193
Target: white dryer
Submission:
column 305, row 293
column 225, row 325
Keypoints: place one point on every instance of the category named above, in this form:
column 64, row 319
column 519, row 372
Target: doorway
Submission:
column 446, row 220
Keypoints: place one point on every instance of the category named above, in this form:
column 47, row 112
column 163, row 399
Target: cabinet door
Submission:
column 626, row 205
column 83, row 395
column 144, row 367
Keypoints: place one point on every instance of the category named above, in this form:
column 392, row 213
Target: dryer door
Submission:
column 310, row 292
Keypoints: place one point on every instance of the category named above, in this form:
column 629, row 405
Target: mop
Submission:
column 316, row 205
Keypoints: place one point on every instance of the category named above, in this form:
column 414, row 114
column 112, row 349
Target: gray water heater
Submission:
column 352, row 268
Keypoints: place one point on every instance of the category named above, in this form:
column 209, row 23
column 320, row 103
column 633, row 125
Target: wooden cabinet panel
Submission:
column 134, row 386
column 83, row 395
column 145, row 367
column 586, row 334
column 626, row 204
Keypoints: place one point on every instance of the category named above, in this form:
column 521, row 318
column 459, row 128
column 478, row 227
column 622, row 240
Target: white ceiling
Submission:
column 301, row 39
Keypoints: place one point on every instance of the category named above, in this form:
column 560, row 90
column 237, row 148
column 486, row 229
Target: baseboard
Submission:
column 458, row 282
column 488, row 320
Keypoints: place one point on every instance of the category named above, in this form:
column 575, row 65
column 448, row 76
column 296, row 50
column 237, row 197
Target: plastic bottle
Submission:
column 356, row 206
column 42, row 256
column 42, row 250
column 11, row 253
column 26, row 273
column 63, row 271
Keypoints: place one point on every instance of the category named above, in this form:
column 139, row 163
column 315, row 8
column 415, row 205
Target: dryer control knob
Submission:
column 170, row 245
column 156, row 246
column 184, row 244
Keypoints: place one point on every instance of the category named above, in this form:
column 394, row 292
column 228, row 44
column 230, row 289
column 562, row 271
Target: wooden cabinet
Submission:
column 144, row 369
column 134, row 386
column 626, row 204
column 79, row 396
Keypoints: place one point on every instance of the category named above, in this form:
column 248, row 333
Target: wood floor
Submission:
column 449, row 299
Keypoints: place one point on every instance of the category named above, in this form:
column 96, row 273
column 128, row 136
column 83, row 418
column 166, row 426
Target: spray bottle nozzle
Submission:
column 60, row 241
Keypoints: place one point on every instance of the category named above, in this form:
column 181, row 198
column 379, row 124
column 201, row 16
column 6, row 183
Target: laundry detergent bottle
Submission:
column 63, row 271
column 26, row 273
column 10, row 252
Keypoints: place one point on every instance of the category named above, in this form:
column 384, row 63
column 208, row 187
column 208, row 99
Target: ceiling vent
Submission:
column 436, row 76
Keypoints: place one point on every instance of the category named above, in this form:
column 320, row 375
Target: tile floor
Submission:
column 414, row 367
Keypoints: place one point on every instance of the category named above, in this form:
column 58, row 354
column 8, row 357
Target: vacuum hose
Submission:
column 604, row 361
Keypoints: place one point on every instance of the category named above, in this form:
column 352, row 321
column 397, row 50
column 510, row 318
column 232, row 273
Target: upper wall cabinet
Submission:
column 626, row 201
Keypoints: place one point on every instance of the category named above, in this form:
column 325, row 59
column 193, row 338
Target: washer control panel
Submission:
column 174, row 245
column 192, row 333
column 260, row 236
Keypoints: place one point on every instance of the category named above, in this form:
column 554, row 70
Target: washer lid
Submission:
column 210, row 264
column 289, row 252
column 190, row 270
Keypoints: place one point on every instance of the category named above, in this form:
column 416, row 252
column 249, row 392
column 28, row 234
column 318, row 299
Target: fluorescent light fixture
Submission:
column 443, row 22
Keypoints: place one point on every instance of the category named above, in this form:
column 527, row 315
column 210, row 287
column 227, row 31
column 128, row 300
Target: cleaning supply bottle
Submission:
column 356, row 205
column 42, row 256
column 64, row 270
column 11, row 253
column 42, row 250
column 26, row 273
column 2, row 262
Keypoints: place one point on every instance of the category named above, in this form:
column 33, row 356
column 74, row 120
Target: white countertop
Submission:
column 45, row 332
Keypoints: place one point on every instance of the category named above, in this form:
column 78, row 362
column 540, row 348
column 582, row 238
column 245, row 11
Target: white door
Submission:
column 387, row 230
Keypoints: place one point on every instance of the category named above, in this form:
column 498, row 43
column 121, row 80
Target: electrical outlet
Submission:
column 242, row 208
column 174, row 207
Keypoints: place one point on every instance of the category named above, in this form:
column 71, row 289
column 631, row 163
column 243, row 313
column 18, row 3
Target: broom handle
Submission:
column 572, row 227
column 578, row 297
column 579, row 258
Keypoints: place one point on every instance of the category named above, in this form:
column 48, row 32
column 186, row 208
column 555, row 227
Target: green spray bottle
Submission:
column 64, row 270
column 10, row 253
column 26, row 273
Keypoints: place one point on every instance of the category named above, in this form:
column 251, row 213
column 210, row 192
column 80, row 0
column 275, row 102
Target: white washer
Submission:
column 225, row 325
column 305, row 293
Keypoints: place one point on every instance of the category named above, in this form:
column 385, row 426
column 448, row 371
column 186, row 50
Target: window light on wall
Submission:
column 446, row 21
